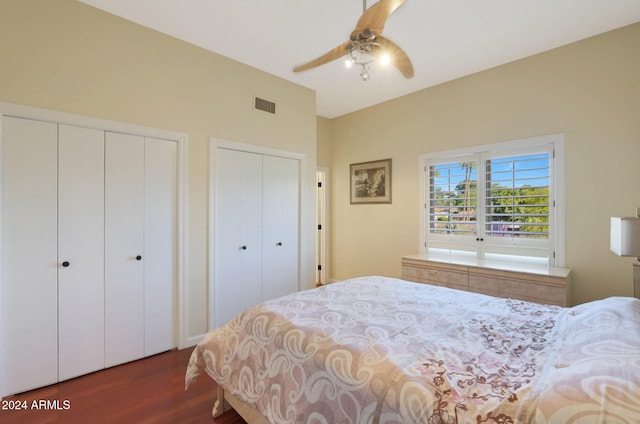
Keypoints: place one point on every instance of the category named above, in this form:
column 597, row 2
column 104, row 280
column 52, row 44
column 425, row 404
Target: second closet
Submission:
column 255, row 228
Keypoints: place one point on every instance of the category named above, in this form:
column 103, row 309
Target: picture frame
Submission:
column 370, row 182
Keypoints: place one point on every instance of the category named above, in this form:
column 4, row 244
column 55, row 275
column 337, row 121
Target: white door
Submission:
column 160, row 245
column 238, row 233
column 280, row 226
column 80, row 251
column 29, row 309
column 124, row 248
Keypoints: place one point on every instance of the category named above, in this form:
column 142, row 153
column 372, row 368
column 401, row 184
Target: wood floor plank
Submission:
column 150, row 390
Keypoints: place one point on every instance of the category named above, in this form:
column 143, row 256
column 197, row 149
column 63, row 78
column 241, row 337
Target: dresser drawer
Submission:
column 518, row 289
column 435, row 276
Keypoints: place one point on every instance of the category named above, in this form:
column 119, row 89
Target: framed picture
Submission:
column 371, row 182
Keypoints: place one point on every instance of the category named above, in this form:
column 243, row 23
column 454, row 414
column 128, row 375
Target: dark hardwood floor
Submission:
column 150, row 390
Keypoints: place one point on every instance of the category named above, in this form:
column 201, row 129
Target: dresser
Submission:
column 534, row 284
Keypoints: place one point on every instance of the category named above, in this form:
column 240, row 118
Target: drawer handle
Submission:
column 512, row 285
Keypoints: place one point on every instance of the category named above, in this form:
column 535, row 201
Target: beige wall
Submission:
column 590, row 91
column 67, row 56
column 324, row 141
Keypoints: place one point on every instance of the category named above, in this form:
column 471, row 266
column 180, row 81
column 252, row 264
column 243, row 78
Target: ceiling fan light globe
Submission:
column 350, row 60
column 385, row 59
column 365, row 73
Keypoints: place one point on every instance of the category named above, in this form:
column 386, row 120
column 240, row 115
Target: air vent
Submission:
column 264, row 105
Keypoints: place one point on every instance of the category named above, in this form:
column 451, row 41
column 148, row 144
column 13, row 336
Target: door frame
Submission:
column 219, row 143
column 181, row 318
column 322, row 244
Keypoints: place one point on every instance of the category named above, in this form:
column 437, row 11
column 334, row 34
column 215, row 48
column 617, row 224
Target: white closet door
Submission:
column 280, row 231
column 80, row 251
column 124, row 243
column 237, row 232
column 160, row 245
column 29, row 309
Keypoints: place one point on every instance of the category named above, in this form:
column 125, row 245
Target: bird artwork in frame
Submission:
column 371, row 182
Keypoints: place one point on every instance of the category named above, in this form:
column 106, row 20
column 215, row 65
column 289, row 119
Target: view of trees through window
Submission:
column 516, row 197
column 453, row 197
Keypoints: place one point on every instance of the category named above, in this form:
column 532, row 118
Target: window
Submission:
column 496, row 202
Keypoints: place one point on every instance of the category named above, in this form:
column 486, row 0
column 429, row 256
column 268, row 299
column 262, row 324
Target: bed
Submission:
column 383, row 350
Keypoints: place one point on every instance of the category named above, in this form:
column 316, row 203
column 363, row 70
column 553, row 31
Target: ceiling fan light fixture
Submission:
column 348, row 63
column 365, row 53
column 366, row 45
column 385, row 59
column 365, row 73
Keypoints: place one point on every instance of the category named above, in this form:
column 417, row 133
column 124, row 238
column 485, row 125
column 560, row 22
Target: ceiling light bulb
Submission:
column 385, row 59
column 365, row 74
column 348, row 63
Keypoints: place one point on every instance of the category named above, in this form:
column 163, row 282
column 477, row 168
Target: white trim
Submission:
column 324, row 254
column 193, row 340
column 182, row 292
column 423, row 216
column 253, row 148
column 182, row 139
column 217, row 143
column 47, row 115
column 2, row 318
column 510, row 145
column 211, row 322
column 560, row 193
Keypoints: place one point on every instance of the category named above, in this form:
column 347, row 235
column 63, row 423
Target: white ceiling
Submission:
column 445, row 39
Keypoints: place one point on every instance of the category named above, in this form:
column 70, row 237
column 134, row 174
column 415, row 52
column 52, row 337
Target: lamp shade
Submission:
column 625, row 236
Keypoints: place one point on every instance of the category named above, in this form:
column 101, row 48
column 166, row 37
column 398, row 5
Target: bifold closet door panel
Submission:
column 29, row 308
column 161, row 176
column 237, row 232
column 280, row 226
column 80, row 250
column 124, row 244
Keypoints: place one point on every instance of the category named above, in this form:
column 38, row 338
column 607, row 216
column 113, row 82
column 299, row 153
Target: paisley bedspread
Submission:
column 383, row 350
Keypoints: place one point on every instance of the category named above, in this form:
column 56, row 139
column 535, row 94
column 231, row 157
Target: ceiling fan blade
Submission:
column 398, row 57
column 334, row 54
column 376, row 16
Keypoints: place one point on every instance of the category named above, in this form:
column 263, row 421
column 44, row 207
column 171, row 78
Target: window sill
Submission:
column 470, row 261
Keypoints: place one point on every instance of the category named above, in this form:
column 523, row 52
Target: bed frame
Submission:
column 226, row 401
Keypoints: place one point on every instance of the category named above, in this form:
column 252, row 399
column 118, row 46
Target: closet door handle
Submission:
column 279, row 243
column 138, row 258
column 65, row 264
column 243, row 247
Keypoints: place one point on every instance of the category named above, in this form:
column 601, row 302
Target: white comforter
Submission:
column 376, row 349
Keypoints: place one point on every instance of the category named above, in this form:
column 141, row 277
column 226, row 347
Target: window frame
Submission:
column 468, row 247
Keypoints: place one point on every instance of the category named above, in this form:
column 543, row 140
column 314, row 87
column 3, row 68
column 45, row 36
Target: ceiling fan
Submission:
column 366, row 43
